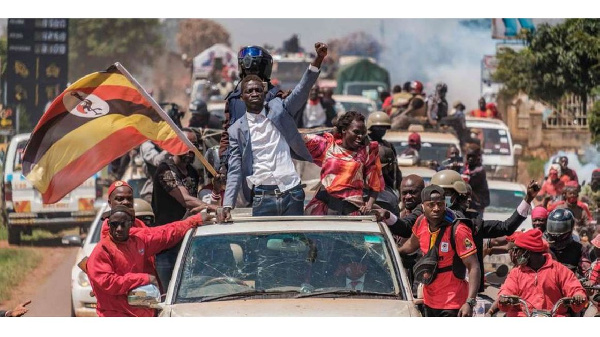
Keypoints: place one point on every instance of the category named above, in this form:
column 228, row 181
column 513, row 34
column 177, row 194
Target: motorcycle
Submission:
column 516, row 300
column 594, row 295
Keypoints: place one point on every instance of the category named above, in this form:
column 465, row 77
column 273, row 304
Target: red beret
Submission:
column 116, row 184
column 531, row 240
column 539, row 212
column 414, row 137
column 572, row 183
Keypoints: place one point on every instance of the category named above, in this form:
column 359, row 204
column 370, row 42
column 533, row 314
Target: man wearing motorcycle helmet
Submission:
column 377, row 125
column 538, row 279
column 559, row 234
column 457, row 199
column 252, row 60
column 571, row 201
column 201, row 117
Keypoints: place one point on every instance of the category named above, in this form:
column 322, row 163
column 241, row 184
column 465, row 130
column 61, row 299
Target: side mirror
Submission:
column 502, row 270
column 71, row 240
column 517, row 149
column 147, row 296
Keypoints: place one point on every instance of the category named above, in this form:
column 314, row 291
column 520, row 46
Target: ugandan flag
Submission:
column 99, row 118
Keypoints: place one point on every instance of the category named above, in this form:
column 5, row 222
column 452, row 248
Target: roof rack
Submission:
column 305, row 217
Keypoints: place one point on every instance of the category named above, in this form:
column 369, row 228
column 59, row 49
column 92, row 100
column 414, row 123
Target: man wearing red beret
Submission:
column 538, row 279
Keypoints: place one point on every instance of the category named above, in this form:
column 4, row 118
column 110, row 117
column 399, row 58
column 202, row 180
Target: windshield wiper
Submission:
column 247, row 293
column 344, row 292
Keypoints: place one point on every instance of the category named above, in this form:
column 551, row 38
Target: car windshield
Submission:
column 364, row 108
column 495, row 142
column 504, row 200
column 429, row 150
column 287, row 264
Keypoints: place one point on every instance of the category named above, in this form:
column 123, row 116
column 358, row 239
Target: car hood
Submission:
column 296, row 307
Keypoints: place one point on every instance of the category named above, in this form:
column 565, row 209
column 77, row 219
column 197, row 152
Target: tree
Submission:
column 558, row 60
column 3, row 55
column 95, row 44
column 196, row 35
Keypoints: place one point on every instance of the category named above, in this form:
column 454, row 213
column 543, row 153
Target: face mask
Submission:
column 377, row 133
column 572, row 200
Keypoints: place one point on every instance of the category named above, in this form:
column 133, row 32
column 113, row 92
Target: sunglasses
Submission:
column 116, row 224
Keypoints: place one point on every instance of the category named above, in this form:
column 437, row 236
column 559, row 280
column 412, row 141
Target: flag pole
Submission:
column 167, row 119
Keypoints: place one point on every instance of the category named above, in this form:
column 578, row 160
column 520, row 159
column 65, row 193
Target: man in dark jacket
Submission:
column 477, row 179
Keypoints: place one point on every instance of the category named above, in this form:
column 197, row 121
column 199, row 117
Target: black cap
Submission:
column 429, row 190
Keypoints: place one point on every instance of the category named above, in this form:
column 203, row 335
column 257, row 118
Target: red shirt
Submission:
column 551, row 188
column 541, row 289
column 114, row 268
column 585, row 210
column 446, row 291
column 594, row 275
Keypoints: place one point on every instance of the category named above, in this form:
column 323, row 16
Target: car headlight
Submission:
column 83, row 279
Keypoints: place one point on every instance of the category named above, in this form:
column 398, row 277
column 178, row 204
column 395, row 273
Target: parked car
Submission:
column 285, row 266
column 497, row 148
column 82, row 301
column 356, row 103
column 24, row 208
column 434, row 145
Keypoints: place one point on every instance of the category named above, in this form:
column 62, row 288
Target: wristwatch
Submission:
column 471, row 302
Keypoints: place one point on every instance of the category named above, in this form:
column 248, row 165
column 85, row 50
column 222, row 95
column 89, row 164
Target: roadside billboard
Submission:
column 510, row 29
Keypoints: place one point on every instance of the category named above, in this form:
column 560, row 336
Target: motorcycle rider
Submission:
column 553, row 186
column 457, row 198
column 559, row 234
column 567, row 173
column 591, row 193
column 538, row 279
column 580, row 210
column 539, row 218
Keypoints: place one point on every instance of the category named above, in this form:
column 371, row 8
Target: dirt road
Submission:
column 49, row 286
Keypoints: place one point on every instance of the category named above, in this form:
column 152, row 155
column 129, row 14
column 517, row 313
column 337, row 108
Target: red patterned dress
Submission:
column 344, row 173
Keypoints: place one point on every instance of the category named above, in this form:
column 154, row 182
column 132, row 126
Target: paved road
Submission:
column 53, row 297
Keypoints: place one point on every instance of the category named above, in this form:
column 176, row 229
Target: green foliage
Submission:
column 15, row 265
column 594, row 122
column 535, row 167
column 559, row 59
column 95, row 44
column 3, row 54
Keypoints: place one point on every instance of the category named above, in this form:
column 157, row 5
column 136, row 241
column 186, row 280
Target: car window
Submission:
column 495, row 142
column 504, row 200
column 96, row 234
column 429, row 150
column 292, row 262
column 18, row 163
column 365, row 109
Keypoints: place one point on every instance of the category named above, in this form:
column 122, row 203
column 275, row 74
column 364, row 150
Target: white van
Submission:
column 497, row 148
column 23, row 207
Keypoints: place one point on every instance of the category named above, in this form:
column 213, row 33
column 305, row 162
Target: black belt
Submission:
column 276, row 191
column 341, row 206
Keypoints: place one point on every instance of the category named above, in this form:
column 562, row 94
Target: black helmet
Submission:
column 255, row 60
column 559, row 228
column 198, row 106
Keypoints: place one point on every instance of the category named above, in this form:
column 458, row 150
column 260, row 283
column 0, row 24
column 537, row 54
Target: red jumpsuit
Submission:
column 541, row 289
column 114, row 268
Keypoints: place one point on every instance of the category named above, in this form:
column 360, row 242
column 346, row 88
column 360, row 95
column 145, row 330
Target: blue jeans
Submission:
column 268, row 203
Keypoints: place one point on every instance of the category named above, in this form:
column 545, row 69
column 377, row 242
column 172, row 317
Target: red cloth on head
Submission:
column 415, row 138
column 513, row 237
column 539, row 212
column 116, row 184
column 572, row 183
column 531, row 240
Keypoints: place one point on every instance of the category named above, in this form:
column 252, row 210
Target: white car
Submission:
column 504, row 198
column 23, row 206
column 364, row 105
column 497, row 148
column 82, row 301
column 434, row 145
column 285, row 266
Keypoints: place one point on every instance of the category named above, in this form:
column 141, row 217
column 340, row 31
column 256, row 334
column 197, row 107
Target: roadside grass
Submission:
column 535, row 167
column 15, row 265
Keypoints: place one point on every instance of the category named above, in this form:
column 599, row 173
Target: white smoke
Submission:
column 435, row 50
column 591, row 159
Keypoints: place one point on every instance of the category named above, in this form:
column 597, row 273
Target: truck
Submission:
column 23, row 209
column 362, row 76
